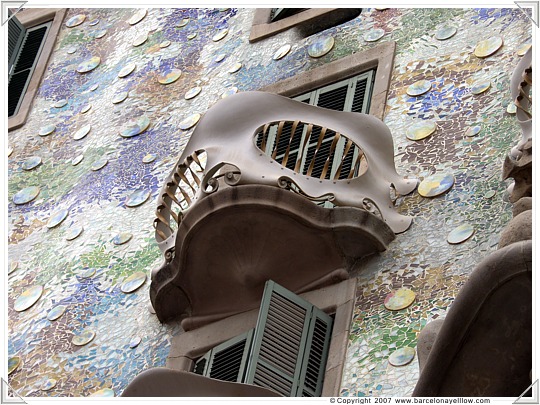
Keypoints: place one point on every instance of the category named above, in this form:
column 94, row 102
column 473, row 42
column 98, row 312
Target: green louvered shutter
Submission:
column 289, row 350
column 226, row 361
column 16, row 33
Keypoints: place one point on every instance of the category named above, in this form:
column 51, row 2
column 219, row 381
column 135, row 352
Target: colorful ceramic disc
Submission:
column 445, row 33
column 60, row 103
column 105, row 392
column 480, row 87
column 28, row 298
column 229, row 92
column 133, row 282
column 99, row 164
column 183, row 23
column 192, row 93
column 169, row 76
column 137, row 198
column 235, row 68
column 138, row 16
column 374, row 35
column 141, row 39
column 84, row 338
column 136, row 127
column 490, row 194
column 421, row 130
column 127, row 70
column 47, row 130
column 57, row 218
column 164, row 44
column 134, row 342
column 86, row 108
column 119, row 97
column 26, row 195
column 219, row 57
column 75, row 20
column 473, row 131
column 402, row 357
column 87, row 273
column 321, row 46
column 10, row 151
column 190, row 121
column 149, row 158
column 488, row 47
column 281, row 52
column 56, row 312
column 13, row 363
column 460, row 234
column 522, row 50
column 31, row 163
column 82, row 132
column 89, row 65
column 220, row 35
column 121, row 238
column 435, row 185
column 74, row 232
column 94, row 87
column 77, row 160
column 511, row 109
column 48, row 384
column 12, row 267
column 418, row 88
column 191, row 35
column 100, row 34
column 94, row 22
column 399, row 299
column 71, row 50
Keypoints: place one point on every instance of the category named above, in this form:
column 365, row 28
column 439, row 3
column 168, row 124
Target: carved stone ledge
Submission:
column 520, row 170
column 231, row 242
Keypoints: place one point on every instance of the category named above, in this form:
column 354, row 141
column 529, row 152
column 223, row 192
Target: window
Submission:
column 270, row 21
column 25, row 77
column 25, row 46
column 286, row 351
column 304, row 148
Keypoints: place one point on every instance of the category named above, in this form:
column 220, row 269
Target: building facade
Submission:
column 123, row 90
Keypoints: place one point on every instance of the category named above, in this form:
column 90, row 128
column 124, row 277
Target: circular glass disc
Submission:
column 94, row 22
column 281, row 52
column 220, row 35
column 138, row 16
column 28, row 298
column 13, row 363
column 86, row 108
column 89, row 65
column 421, row 130
column 74, row 232
column 402, row 357
column 57, row 218
column 12, row 267
column 219, row 57
column 141, row 39
column 192, row 93
column 435, row 185
column 133, row 282
column 190, row 121
column 99, row 164
column 480, row 87
column 122, row 238
column 169, row 76
column 149, row 158
column 84, row 338
column 56, row 312
column 445, row 33
column 105, row 392
column 127, row 70
column 75, row 20
column 48, row 384
column 229, row 92
column 60, row 103
column 77, row 160
column 100, row 34
column 192, row 35
column 26, row 195
column 134, row 342
column 511, row 109
column 490, row 194
column 183, row 23
column 235, row 68
column 119, row 97
column 164, row 44
column 321, row 46
column 47, row 130
column 136, row 127
column 418, row 88
column 460, row 234
column 399, row 299
column 522, row 50
column 87, row 273
column 82, row 132
column 488, row 47
column 31, row 163
column 374, row 35
column 473, row 131
column 137, row 198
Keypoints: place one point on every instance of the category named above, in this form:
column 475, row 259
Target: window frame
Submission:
column 338, row 299
column 29, row 18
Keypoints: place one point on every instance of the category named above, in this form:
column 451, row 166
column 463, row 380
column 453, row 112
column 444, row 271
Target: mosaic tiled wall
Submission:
column 87, row 274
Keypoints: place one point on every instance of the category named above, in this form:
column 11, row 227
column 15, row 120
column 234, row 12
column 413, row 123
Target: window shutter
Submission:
column 288, row 345
column 16, row 33
column 23, row 66
column 226, row 361
column 277, row 14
